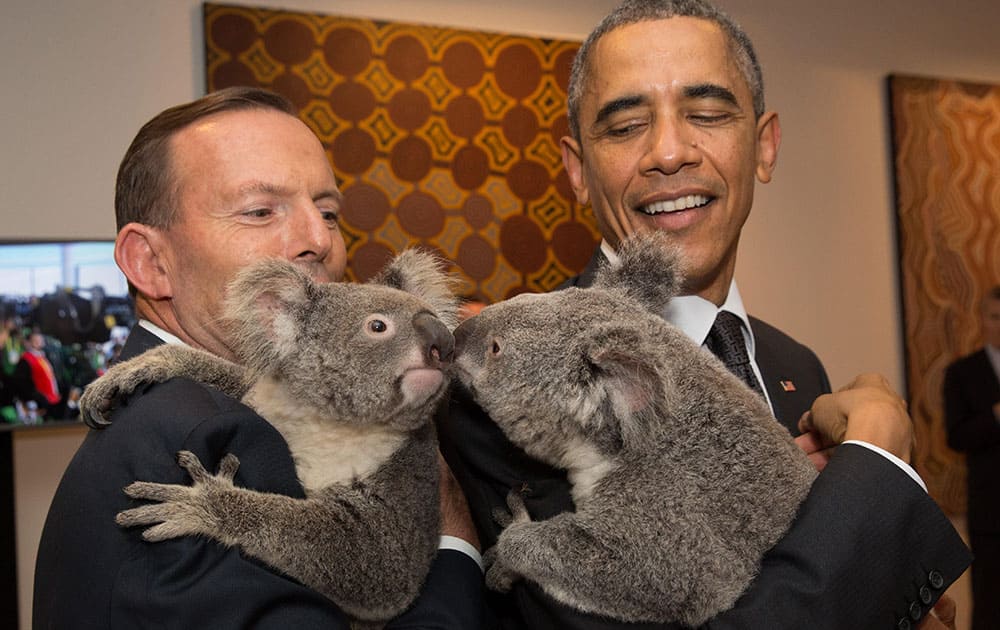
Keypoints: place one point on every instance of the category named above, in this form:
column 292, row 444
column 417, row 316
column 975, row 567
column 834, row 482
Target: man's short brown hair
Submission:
column 145, row 191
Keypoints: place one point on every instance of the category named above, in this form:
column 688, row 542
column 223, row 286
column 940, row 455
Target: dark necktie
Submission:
column 725, row 340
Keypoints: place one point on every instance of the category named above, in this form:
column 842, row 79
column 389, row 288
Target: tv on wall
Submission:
column 65, row 310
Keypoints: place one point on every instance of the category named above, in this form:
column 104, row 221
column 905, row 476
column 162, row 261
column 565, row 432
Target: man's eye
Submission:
column 331, row 217
column 710, row 119
column 258, row 213
column 621, row 131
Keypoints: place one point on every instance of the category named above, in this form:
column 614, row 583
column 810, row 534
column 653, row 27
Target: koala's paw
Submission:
column 97, row 402
column 104, row 394
column 180, row 510
column 499, row 576
column 518, row 512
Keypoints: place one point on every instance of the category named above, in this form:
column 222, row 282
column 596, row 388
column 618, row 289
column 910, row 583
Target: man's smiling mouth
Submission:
column 673, row 205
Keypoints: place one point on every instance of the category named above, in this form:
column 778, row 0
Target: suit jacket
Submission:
column 971, row 389
column 90, row 573
column 868, row 548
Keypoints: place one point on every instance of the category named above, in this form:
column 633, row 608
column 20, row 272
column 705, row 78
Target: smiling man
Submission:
column 669, row 132
column 665, row 137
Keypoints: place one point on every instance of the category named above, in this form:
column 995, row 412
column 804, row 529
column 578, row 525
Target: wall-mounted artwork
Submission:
column 439, row 137
column 946, row 149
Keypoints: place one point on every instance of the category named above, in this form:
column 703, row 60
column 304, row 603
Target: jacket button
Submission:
column 935, row 579
column 904, row 624
column 915, row 611
column 925, row 595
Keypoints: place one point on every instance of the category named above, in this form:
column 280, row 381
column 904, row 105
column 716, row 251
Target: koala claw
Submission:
column 190, row 462
column 518, row 510
column 96, row 405
column 499, row 577
column 502, row 517
column 156, row 491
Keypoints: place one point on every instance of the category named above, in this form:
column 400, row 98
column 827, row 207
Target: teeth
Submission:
column 673, row 205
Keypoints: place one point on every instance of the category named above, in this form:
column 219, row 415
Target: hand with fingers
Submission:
column 867, row 410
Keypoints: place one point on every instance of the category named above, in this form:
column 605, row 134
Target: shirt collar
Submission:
column 160, row 333
column 993, row 354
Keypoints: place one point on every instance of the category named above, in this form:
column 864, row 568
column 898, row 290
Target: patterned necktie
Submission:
column 725, row 340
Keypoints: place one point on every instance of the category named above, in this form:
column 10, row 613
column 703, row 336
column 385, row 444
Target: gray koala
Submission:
column 350, row 374
column 680, row 475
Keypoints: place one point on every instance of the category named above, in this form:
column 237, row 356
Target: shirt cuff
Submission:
column 457, row 544
column 892, row 458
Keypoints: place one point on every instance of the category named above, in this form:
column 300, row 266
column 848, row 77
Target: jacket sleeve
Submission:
column 451, row 598
column 193, row 582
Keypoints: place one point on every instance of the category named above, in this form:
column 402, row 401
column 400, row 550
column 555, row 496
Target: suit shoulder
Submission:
column 181, row 404
column 972, row 359
column 772, row 337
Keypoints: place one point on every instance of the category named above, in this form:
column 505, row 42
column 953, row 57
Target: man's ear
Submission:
column 768, row 142
column 625, row 377
column 140, row 253
column 572, row 155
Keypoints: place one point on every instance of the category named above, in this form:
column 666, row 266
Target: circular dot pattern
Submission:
column 441, row 137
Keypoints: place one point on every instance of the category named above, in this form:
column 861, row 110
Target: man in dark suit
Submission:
column 669, row 132
column 972, row 417
column 205, row 189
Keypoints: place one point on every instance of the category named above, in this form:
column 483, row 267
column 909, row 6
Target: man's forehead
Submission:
column 687, row 51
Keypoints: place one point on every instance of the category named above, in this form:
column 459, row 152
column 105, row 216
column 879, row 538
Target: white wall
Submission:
column 818, row 258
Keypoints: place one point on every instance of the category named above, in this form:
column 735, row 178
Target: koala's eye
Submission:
column 378, row 325
column 495, row 349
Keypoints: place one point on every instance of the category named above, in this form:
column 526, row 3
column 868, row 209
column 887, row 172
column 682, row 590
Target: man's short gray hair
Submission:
column 633, row 11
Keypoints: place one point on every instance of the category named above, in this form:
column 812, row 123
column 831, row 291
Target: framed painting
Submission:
column 946, row 157
column 439, row 137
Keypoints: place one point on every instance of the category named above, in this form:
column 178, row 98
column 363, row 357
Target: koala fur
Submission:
column 680, row 475
column 350, row 374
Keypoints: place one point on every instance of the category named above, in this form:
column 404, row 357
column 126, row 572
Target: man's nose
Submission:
column 672, row 146
column 311, row 239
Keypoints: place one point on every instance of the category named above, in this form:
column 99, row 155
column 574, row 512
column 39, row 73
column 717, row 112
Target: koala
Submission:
column 680, row 476
column 350, row 375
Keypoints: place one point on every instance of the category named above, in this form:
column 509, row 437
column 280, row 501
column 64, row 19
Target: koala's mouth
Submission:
column 420, row 383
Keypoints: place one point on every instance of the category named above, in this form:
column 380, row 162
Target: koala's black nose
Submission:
column 439, row 344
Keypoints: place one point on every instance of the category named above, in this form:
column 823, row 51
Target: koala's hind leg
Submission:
column 366, row 546
column 379, row 535
column 157, row 365
column 567, row 560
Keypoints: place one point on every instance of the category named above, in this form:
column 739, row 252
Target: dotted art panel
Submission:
column 946, row 140
column 442, row 138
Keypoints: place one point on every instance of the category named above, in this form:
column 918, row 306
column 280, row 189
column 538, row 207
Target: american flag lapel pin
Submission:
column 787, row 386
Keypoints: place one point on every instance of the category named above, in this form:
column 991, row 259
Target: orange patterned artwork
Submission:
column 946, row 139
column 441, row 138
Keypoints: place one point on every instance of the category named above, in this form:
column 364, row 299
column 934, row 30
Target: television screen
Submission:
column 66, row 311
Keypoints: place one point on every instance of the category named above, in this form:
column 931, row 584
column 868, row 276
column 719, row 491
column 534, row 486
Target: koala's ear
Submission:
column 423, row 274
column 264, row 303
column 648, row 269
column 625, row 379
